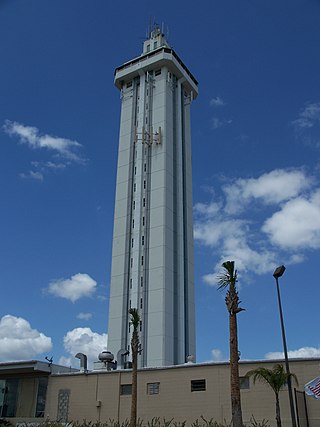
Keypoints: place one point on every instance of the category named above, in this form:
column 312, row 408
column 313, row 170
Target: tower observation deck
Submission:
column 152, row 253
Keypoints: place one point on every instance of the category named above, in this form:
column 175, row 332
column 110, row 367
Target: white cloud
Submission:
column 217, row 102
column 38, row 176
column 307, row 125
column 270, row 188
column 217, row 355
column 67, row 361
column 232, row 238
column 303, row 352
column 31, row 136
column 78, row 286
column 218, row 123
column 208, row 209
column 296, row 259
column 212, row 232
column 84, row 340
column 297, row 224
column 48, row 165
column 246, row 260
column 18, row 341
column 234, row 232
column 309, row 116
column 84, row 316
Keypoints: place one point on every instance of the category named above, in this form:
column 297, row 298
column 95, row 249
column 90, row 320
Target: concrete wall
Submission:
column 96, row 396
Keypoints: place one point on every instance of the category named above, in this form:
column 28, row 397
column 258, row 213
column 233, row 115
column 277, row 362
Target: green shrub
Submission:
column 154, row 422
column 5, row 423
column 255, row 423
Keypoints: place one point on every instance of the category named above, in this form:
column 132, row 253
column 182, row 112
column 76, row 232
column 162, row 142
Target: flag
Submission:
column 312, row 388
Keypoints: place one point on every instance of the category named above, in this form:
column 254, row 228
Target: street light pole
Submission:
column 278, row 273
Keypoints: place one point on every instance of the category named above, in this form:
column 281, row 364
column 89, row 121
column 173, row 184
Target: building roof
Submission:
column 32, row 367
column 158, row 57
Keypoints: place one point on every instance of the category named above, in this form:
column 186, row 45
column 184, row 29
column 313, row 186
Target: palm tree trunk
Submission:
column 234, row 372
column 278, row 418
column 134, row 396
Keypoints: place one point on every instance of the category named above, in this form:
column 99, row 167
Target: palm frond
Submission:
column 276, row 377
column 134, row 318
column 228, row 277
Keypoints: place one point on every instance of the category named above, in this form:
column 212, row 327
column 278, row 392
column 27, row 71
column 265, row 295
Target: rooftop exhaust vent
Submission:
column 83, row 361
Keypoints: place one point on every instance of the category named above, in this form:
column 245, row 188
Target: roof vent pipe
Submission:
column 83, row 361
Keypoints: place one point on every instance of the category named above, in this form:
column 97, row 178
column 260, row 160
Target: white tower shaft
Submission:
column 152, row 255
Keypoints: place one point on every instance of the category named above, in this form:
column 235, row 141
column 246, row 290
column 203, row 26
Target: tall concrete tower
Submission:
column 152, row 254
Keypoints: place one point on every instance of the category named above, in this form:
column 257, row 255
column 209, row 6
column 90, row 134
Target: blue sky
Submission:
column 256, row 184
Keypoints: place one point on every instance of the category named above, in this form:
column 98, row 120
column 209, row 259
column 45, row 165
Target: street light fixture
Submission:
column 278, row 273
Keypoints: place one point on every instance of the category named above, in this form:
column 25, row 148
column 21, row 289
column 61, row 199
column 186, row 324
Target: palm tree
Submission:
column 276, row 378
column 228, row 280
column 134, row 321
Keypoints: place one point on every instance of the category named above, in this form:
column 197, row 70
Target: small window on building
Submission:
column 157, row 72
column 155, row 45
column 143, row 220
column 131, row 262
column 146, row 120
column 146, row 106
column 153, row 388
column 134, row 204
column 135, row 170
column 198, row 385
column 134, row 187
column 129, row 84
column 142, row 240
column 145, row 167
column 140, row 326
column 144, row 184
column 130, row 283
column 148, row 48
column 133, row 223
column 132, row 241
column 147, row 92
column 130, row 304
column 140, row 302
column 141, row 281
column 142, row 260
column 244, row 383
column 144, row 202
column 125, row 389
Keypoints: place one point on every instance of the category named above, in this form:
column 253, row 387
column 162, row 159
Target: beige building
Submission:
column 183, row 392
